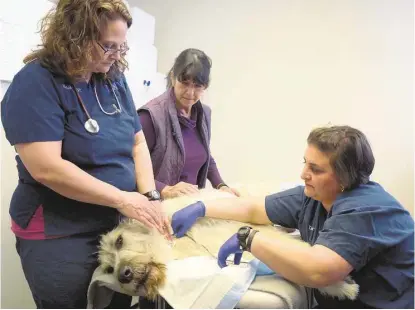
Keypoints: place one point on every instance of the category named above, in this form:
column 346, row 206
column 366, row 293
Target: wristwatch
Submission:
column 153, row 195
column 245, row 236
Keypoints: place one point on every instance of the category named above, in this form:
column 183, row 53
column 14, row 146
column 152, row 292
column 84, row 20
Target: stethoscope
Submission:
column 91, row 125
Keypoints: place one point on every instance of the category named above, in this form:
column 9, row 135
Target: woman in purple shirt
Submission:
column 177, row 129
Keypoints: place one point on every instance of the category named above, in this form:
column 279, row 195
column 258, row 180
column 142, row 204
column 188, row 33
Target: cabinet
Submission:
column 142, row 76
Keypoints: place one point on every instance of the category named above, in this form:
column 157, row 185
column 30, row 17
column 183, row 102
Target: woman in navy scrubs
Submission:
column 82, row 158
column 353, row 225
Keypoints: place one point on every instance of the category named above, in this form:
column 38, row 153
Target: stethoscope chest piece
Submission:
column 91, row 126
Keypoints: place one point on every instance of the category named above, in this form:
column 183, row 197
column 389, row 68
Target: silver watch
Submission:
column 153, row 195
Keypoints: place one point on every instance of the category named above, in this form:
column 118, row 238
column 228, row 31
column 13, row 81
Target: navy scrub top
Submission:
column 369, row 229
column 39, row 106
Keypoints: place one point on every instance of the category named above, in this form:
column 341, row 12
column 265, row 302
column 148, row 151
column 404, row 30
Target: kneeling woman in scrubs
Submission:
column 81, row 154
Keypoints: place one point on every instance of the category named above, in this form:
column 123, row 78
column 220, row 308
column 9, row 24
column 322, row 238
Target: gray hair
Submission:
column 191, row 65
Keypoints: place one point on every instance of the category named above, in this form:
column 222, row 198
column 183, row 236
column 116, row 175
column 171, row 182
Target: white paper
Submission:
column 198, row 283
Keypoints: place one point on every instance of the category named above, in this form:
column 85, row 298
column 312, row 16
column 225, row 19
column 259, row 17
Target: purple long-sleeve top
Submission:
column 195, row 153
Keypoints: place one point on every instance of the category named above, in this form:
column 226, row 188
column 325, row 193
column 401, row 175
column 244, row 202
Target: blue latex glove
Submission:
column 231, row 246
column 183, row 219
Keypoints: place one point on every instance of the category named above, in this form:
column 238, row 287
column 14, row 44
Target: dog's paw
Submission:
column 346, row 289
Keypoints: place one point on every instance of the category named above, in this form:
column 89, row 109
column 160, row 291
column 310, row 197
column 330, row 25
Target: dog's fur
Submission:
column 146, row 252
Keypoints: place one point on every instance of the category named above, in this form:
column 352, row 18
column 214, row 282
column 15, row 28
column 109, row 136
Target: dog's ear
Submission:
column 156, row 279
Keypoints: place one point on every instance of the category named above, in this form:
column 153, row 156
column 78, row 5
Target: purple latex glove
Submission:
column 183, row 219
column 231, row 246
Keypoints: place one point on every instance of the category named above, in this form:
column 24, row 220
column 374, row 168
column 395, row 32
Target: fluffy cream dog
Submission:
column 137, row 256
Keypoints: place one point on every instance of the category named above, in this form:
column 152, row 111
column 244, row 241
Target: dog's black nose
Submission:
column 125, row 275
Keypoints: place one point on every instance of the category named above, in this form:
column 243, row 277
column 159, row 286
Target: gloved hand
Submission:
column 183, row 219
column 231, row 246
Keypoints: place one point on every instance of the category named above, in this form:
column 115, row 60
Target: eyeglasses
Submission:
column 188, row 85
column 111, row 51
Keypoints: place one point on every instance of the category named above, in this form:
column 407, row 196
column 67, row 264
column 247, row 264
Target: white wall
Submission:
column 279, row 68
column 283, row 67
column 15, row 292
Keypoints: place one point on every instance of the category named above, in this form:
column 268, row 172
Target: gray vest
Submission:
column 168, row 154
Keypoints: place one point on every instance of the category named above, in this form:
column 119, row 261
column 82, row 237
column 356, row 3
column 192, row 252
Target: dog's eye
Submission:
column 118, row 242
column 109, row 269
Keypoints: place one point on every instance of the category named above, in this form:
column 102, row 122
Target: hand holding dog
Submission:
column 184, row 219
column 231, row 246
column 136, row 206
column 167, row 230
column 230, row 190
column 166, row 227
column 180, row 189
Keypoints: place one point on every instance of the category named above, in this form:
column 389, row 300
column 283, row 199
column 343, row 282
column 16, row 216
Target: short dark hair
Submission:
column 191, row 65
column 351, row 156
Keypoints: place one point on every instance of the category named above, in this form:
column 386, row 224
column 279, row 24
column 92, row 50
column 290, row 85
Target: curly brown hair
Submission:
column 68, row 34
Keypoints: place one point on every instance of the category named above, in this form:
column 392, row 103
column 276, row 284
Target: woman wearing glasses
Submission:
column 82, row 157
column 177, row 129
